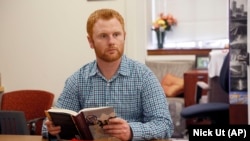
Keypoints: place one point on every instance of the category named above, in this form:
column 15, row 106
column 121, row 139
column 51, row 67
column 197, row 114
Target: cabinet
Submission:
column 190, row 79
column 238, row 113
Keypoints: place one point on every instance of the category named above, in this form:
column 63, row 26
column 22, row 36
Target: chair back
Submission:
column 217, row 107
column 224, row 74
column 13, row 122
column 32, row 102
column 220, row 84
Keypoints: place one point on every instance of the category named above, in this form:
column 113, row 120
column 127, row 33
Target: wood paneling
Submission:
column 178, row 51
column 190, row 79
column 238, row 113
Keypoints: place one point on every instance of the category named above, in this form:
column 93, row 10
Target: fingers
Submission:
column 118, row 128
column 116, row 121
column 52, row 129
column 123, row 134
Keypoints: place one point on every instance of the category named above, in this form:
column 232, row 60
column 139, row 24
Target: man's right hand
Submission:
column 52, row 129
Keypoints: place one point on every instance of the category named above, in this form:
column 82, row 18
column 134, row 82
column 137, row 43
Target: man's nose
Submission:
column 111, row 39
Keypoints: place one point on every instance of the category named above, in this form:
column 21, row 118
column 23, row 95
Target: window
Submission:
column 201, row 24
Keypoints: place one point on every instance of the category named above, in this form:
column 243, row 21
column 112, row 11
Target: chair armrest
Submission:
column 216, row 112
column 32, row 124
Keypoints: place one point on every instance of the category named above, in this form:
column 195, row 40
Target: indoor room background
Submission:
column 42, row 42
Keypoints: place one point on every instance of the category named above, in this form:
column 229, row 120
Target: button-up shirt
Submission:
column 134, row 92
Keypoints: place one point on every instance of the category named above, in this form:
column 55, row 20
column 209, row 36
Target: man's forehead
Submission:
column 112, row 24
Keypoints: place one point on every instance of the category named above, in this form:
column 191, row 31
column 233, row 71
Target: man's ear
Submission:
column 124, row 35
column 90, row 41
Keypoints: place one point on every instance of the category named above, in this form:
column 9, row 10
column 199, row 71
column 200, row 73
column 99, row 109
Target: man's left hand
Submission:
column 118, row 128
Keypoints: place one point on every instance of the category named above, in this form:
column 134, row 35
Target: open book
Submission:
column 85, row 124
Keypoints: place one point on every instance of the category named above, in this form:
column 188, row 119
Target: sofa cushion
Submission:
column 176, row 67
column 172, row 85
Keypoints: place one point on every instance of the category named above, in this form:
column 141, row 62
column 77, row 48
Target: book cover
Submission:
column 86, row 124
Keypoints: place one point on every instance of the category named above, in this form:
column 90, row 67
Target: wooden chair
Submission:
column 13, row 122
column 32, row 102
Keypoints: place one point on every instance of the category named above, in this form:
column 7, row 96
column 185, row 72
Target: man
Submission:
column 115, row 80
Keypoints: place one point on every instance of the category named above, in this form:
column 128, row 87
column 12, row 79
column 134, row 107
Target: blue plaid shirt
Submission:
column 134, row 92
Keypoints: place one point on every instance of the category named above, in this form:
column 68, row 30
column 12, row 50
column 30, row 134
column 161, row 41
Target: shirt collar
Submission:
column 123, row 69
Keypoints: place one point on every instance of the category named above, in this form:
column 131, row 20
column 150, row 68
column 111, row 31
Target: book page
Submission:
column 66, row 111
column 94, row 108
column 98, row 117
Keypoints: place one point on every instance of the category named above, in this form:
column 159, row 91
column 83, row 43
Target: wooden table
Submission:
column 190, row 79
column 39, row 138
column 21, row 138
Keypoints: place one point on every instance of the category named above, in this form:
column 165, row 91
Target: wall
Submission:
column 42, row 42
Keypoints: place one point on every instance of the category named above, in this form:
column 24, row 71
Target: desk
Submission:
column 39, row 138
column 21, row 138
column 190, row 79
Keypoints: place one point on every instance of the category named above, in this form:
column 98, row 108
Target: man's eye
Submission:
column 103, row 36
column 116, row 34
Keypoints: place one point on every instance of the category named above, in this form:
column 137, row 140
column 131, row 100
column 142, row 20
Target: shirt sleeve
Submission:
column 69, row 98
column 157, row 122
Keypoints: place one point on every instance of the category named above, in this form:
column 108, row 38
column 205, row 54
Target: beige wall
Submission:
column 42, row 42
